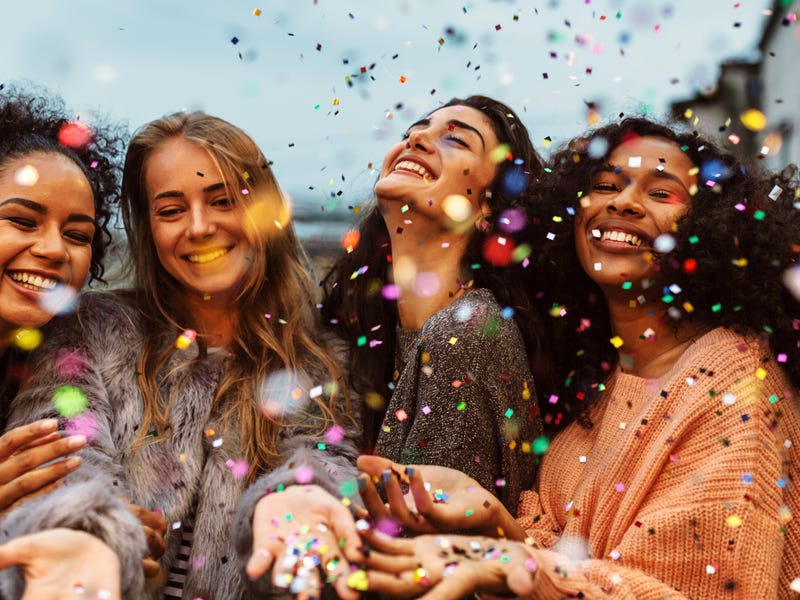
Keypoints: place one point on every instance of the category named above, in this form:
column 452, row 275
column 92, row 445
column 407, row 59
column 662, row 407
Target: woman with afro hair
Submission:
column 673, row 462
column 58, row 183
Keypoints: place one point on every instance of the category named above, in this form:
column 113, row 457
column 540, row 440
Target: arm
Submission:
column 77, row 351
column 312, row 490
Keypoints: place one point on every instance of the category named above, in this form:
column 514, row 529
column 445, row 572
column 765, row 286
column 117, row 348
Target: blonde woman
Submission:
column 208, row 378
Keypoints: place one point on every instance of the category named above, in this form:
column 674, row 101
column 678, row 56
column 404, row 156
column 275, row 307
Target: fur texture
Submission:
column 192, row 465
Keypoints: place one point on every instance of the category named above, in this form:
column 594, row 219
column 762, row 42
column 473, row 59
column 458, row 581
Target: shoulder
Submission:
column 98, row 319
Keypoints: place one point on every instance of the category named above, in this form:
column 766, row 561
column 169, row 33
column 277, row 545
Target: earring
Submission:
column 482, row 224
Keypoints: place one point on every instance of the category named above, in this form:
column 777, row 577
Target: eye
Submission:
column 79, row 237
column 224, row 202
column 169, row 212
column 457, row 140
column 604, row 186
column 22, row 222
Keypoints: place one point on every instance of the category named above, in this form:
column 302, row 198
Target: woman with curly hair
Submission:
column 58, row 181
column 443, row 340
column 674, row 467
column 208, row 385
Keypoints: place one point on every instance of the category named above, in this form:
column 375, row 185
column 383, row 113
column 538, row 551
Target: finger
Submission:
column 344, row 529
column 398, row 505
column 34, row 483
column 390, row 563
column 150, row 567
column 374, row 465
column 18, row 551
column 392, row 585
column 40, row 492
column 45, row 439
column 19, row 437
column 453, row 586
column 155, row 543
column 372, row 500
column 28, row 460
column 388, row 545
column 147, row 517
column 260, row 562
column 520, row 578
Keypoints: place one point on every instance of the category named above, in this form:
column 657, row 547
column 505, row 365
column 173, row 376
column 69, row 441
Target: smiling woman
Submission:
column 209, row 379
column 443, row 338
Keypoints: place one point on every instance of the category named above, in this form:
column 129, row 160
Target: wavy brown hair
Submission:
column 277, row 285
column 353, row 307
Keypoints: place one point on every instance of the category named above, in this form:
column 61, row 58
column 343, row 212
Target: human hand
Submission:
column 23, row 451
column 303, row 532
column 433, row 499
column 154, row 527
column 63, row 564
column 440, row 567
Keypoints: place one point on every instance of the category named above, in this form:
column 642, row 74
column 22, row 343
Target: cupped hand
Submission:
column 307, row 538
column 154, row 527
column 433, row 499
column 61, row 564
column 23, row 451
column 445, row 566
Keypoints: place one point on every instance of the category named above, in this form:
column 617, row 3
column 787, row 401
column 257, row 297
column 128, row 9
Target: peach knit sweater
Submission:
column 684, row 488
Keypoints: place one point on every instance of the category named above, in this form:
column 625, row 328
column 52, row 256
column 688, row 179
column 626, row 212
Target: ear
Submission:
column 484, row 212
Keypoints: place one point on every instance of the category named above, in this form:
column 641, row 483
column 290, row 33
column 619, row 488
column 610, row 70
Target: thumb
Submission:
column 344, row 528
column 17, row 552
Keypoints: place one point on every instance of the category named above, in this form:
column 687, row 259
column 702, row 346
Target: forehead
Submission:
column 652, row 151
column 467, row 114
column 178, row 160
column 45, row 166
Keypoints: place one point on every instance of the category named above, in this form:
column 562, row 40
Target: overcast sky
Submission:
column 324, row 86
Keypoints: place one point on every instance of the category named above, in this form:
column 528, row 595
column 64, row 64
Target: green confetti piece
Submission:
column 540, row 445
column 69, row 401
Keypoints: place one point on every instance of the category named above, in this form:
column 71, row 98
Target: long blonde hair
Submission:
column 277, row 326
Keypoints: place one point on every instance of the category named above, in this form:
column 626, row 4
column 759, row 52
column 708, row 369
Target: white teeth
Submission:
column 33, row 282
column 619, row 236
column 408, row 165
column 207, row 257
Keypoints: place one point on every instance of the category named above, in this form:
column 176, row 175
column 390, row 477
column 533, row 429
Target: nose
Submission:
column 50, row 245
column 626, row 203
column 419, row 140
column 201, row 223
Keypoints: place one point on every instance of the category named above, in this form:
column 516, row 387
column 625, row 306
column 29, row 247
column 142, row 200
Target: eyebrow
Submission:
column 178, row 194
column 42, row 209
column 455, row 123
column 661, row 174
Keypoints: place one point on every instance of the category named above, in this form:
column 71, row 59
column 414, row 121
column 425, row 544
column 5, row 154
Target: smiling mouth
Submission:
column 33, row 282
column 408, row 165
column 620, row 236
column 206, row 257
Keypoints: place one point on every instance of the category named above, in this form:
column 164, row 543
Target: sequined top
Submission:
column 464, row 397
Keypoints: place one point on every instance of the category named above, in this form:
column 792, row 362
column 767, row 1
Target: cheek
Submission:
column 81, row 263
column 390, row 157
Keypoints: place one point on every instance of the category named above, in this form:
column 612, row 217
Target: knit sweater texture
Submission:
column 464, row 397
column 685, row 487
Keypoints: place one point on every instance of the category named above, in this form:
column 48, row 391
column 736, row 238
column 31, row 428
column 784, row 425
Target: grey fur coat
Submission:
column 191, row 465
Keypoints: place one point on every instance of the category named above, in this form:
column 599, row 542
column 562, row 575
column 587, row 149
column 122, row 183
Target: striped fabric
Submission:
column 180, row 567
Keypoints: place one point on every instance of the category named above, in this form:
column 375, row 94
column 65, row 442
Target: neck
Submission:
column 438, row 255
column 216, row 320
column 651, row 345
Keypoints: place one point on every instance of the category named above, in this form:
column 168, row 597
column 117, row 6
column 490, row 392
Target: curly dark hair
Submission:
column 353, row 307
column 31, row 120
column 732, row 249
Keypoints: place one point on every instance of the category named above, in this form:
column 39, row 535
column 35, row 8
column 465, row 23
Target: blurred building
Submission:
column 771, row 85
